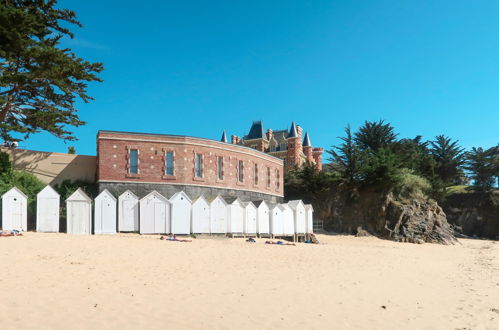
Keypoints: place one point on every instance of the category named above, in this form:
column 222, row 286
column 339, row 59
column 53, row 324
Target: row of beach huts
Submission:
column 155, row 214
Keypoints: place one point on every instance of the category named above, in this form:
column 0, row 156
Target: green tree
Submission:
column 26, row 182
column 347, row 159
column 39, row 80
column 5, row 164
column 375, row 135
column 482, row 164
column 312, row 186
column 449, row 158
column 382, row 169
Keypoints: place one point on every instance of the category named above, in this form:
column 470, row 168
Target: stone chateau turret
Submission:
column 289, row 145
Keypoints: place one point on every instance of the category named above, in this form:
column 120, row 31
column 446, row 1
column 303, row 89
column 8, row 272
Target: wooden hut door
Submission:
column 205, row 220
column 107, row 220
column 128, row 215
column 16, row 213
column 159, row 218
column 48, row 211
column 79, row 217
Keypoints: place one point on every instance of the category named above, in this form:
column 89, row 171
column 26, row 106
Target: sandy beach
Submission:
column 128, row 281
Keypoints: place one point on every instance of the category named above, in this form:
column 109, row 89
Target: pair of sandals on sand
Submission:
column 174, row 238
column 10, row 233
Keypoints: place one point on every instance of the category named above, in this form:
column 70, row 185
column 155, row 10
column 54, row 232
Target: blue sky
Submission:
column 199, row 67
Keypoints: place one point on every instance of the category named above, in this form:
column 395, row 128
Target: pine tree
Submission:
column 375, row 135
column 449, row 157
column 347, row 159
column 39, row 80
column 482, row 164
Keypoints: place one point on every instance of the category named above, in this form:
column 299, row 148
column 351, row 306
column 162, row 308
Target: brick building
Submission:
column 170, row 163
column 289, row 145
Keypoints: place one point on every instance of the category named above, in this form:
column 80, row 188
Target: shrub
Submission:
column 409, row 185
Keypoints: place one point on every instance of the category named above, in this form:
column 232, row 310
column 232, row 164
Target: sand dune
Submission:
column 59, row 281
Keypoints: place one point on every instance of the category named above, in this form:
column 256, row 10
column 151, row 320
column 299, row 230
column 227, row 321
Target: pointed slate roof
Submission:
column 224, row 138
column 256, row 131
column 292, row 131
column 306, row 141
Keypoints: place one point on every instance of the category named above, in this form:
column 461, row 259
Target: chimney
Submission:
column 270, row 134
column 317, row 154
column 235, row 139
column 299, row 130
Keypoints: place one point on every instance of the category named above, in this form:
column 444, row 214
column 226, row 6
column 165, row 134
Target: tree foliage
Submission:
column 26, row 182
column 449, row 157
column 39, row 80
column 346, row 159
column 483, row 166
column 375, row 135
column 373, row 157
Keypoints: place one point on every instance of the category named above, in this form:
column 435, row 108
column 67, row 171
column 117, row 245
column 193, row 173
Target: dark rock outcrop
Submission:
column 474, row 213
column 415, row 220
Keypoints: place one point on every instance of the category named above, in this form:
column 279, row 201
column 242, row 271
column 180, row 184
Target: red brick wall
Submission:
column 112, row 162
column 294, row 152
column 317, row 153
column 309, row 154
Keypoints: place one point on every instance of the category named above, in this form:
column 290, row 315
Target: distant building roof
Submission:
column 292, row 131
column 306, row 141
column 224, row 138
column 256, row 131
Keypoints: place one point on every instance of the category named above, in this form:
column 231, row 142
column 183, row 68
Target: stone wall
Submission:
column 142, row 189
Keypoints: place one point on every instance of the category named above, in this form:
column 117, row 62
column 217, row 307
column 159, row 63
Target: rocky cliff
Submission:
column 415, row 220
column 474, row 213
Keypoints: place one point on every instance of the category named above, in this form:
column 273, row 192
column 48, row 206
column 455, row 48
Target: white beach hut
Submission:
column 128, row 212
column 47, row 210
column 288, row 221
column 299, row 215
column 309, row 211
column 154, row 214
column 250, row 215
column 14, row 210
column 79, row 213
column 105, row 213
column 236, row 218
column 276, row 224
column 181, row 213
column 262, row 218
column 200, row 219
column 218, row 215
